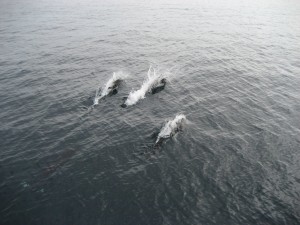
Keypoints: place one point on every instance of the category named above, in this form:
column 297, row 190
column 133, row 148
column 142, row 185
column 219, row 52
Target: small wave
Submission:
column 110, row 87
column 153, row 79
column 170, row 128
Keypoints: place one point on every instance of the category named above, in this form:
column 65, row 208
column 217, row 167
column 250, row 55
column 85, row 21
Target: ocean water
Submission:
column 233, row 69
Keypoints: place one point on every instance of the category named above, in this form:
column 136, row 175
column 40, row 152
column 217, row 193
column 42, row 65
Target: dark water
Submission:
column 235, row 69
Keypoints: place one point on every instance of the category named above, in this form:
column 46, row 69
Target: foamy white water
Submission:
column 153, row 79
column 108, row 87
column 170, row 127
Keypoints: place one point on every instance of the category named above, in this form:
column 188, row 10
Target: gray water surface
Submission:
column 234, row 72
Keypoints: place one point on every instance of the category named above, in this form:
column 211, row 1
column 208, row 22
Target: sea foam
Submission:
column 152, row 80
column 108, row 87
column 171, row 127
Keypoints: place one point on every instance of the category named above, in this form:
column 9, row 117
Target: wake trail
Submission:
column 170, row 128
column 153, row 79
column 110, row 87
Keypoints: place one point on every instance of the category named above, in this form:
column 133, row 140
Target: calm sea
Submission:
column 233, row 69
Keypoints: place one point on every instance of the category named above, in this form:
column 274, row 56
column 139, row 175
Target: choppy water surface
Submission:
column 233, row 69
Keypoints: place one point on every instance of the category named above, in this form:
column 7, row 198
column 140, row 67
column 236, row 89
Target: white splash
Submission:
column 152, row 80
column 170, row 128
column 108, row 87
